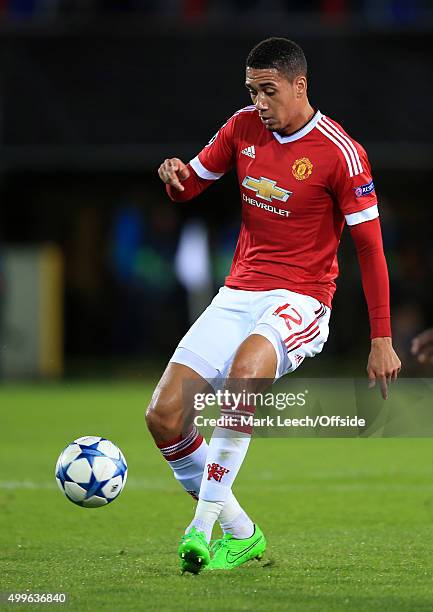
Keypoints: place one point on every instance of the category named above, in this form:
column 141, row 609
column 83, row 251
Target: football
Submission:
column 91, row 471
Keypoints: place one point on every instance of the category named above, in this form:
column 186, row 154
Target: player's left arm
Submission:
column 356, row 196
column 383, row 363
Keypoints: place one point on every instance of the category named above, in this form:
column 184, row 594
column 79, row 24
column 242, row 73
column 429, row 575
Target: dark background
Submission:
column 94, row 95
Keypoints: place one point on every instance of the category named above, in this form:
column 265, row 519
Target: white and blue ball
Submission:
column 91, row 471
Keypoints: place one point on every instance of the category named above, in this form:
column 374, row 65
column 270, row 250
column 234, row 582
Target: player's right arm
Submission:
column 186, row 181
column 182, row 183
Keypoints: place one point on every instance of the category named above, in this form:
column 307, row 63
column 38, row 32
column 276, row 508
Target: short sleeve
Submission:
column 218, row 156
column 353, row 185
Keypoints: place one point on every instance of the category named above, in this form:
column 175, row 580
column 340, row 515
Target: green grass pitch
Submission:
column 349, row 522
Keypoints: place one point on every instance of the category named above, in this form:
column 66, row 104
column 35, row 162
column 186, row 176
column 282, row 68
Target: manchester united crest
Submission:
column 302, row 169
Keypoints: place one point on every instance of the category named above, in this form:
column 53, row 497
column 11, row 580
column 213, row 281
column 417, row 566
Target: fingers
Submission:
column 384, row 380
column 183, row 172
column 383, row 367
column 170, row 167
column 171, row 171
column 425, row 355
column 420, row 341
column 383, row 386
column 422, row 346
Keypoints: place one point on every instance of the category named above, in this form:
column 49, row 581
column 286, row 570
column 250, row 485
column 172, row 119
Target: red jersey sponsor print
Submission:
column 296, row 193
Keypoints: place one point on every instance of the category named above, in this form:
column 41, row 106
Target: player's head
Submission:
column 276, row 77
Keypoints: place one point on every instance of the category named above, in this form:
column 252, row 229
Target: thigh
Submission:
column 210, row 344
column 296, row 325
column 254, row 365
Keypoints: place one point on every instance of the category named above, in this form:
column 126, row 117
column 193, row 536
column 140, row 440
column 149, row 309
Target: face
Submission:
column 277, row 100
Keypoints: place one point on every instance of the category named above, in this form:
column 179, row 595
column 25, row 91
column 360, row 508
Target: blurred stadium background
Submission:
column 100, row 274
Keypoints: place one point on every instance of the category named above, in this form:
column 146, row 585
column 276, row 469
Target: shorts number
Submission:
column 295, row 318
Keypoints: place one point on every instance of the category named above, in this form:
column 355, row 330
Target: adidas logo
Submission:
column 249, row 151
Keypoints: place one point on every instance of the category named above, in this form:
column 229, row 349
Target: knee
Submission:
column 164, row 417
column 152, row 417
column 244, row 368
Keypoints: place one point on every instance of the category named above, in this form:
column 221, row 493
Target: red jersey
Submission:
column 296, row 193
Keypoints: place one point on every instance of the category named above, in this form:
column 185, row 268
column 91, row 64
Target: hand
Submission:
column 422, row 346
column 172, row 172
column 383, row 364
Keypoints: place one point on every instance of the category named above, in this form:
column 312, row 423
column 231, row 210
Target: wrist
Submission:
column 381, row 341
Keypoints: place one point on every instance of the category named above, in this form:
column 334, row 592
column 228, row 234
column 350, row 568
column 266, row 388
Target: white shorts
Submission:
column 296, row 325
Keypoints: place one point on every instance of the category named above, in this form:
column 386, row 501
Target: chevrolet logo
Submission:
column 266, row 188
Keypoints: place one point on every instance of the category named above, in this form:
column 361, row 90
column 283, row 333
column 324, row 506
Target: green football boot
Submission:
column 228, row 552
column 193, row 551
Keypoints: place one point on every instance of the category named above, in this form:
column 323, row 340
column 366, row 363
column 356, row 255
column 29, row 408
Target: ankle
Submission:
column 240, row 528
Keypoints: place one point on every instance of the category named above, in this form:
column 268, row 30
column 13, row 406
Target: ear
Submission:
column 300, row 86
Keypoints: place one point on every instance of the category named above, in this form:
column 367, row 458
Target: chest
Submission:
column 290, row 179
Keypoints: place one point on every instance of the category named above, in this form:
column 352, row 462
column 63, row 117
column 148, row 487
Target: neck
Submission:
column 303, row 116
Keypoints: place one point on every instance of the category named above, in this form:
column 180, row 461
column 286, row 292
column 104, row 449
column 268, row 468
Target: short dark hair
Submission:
column 280, row 53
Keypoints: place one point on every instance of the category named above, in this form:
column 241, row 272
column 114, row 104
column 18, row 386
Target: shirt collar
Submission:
column 301, row 132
